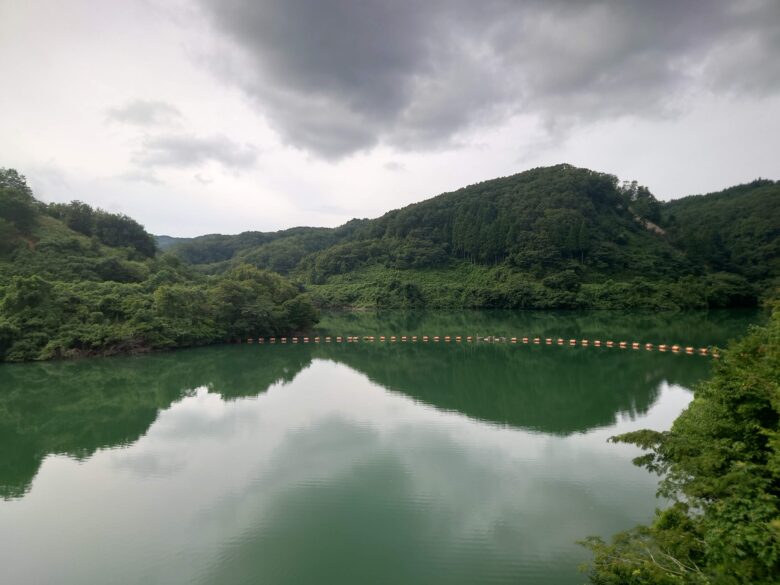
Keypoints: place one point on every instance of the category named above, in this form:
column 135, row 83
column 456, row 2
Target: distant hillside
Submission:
column 554, row 237
column 81, row 281
column 166, row 242
column 734, row 230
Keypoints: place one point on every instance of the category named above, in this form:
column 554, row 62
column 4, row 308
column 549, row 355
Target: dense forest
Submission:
column 78, row 281
column 554, row 237
column 81, row 281
column 720, row 468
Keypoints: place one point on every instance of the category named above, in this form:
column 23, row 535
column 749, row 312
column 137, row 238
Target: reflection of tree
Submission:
column 690, row 327
column 78, row 407
column 558, row 390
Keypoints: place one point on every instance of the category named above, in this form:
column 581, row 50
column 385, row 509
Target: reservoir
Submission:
column 344, row 463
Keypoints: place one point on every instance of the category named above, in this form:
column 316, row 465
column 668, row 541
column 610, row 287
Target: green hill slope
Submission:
column 79, row 281
column 554, row 237
column 735, row 230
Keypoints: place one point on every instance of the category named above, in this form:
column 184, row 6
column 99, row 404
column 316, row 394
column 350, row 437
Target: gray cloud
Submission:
column 145, row 113
column 336, row 76
column 186, row 150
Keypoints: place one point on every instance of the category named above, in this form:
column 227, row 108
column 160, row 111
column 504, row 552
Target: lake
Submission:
column 343, row 463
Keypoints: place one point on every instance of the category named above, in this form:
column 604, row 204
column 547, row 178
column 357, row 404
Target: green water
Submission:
column 352, row 463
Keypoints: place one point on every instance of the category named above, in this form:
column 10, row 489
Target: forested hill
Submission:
column 554, row 237
column 734, row 230
column 81, row 281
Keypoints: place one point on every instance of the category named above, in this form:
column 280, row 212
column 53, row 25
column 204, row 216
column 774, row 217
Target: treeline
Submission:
column 720, row 468
column 736, row 230
column 555, row 237
column 81, row 281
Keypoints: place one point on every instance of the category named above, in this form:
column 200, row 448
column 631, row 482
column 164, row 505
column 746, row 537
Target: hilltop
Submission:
column 81, row 281
column 78, row 281
column 552, row 237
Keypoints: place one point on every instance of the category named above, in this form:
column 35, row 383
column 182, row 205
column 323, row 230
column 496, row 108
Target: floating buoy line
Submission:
column 634, row 345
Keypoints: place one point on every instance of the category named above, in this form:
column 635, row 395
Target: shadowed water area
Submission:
column 351, row 463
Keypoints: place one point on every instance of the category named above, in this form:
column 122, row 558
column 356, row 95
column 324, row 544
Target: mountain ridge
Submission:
column 562, row 227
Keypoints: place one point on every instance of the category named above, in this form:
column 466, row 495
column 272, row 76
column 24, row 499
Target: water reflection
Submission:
column 75, row 408
column 686, row 328
column 332, row 463
column 330, row 478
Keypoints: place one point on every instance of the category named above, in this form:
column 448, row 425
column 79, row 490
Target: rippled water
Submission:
column 338, row 464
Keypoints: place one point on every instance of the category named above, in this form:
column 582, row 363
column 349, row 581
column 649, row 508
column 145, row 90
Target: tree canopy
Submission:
column 720, row 468
column 81, row 281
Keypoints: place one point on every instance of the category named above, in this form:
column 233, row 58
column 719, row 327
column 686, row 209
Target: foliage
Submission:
column 549, row 237
column 736, row 230
column 77, row 281
column 111, row 229
column 721, row 469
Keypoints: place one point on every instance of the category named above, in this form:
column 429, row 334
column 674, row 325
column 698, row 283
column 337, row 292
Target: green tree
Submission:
column 720, row 465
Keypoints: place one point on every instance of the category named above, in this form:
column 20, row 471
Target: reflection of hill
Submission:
column 549, row 389
column 78, row 407
column 687, row 328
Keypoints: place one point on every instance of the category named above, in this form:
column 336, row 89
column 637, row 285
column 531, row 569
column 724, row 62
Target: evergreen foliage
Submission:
column 81, row 281
column 555, row 237
column 720, row 464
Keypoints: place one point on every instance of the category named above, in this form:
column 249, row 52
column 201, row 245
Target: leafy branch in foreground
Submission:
column 720, row 466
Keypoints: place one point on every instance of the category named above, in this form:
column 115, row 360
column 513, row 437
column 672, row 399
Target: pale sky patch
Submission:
column 198, row 116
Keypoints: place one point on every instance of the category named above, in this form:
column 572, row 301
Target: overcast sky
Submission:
column 203, row 116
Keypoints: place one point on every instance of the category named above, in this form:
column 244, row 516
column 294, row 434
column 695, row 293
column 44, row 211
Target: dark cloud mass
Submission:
column 184, row 151
column 337, row 76
column 145, row 113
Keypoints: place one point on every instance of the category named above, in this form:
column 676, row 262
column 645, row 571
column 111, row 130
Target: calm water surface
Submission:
column 341, row 464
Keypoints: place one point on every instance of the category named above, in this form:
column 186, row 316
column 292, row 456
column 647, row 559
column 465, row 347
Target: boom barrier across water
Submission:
column 476, row 339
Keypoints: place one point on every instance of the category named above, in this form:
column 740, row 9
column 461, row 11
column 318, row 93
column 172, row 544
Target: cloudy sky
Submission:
column 202, row 116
